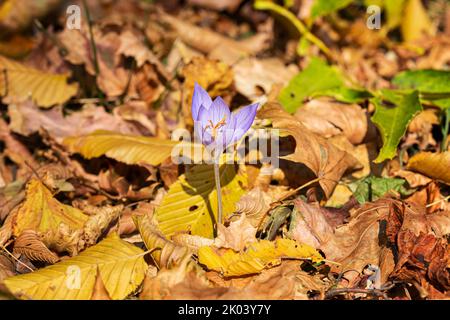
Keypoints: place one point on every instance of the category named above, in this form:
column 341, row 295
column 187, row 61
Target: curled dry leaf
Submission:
column 237, row 236
column 254, row 205
column 254, row 77
column 324, row 159
column 165, row 252
column 30, row 245
column 433, row 165
column 328, row 118
column 414, row 179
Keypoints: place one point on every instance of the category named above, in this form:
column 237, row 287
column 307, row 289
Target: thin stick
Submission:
column 436, row 202
column 219, row 192
column 91, row 35
column 18, row 261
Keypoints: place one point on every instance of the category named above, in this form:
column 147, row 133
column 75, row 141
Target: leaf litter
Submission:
column 92, row 116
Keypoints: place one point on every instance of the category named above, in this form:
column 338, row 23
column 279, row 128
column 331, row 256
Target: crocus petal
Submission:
column 243, row 120
column 199, row 98
column 200, row 125
column 219, row 111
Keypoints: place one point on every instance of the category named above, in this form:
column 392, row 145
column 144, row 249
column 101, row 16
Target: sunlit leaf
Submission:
column 392, row 120
column 125, row 148
column 257, row 257
column 433, row 165
column 121, row 266
column 191, row 202
column 42, row 212
column 46, row 89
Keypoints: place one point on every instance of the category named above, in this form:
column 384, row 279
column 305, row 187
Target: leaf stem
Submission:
column 445, row 128
column 219, row 193
column 91, row 35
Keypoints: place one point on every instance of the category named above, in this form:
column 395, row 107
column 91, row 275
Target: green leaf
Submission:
column 324, row 7
column 428, row 82
column 317, row 77
column 126, row 148
column 372, row 188
column 392, row 120
column 191, row 202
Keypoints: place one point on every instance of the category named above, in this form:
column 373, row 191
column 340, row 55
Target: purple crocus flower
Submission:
column 214, row 125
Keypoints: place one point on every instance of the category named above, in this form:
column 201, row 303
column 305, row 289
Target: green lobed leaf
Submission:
column 324, row 7
column 372, row 188
column 392, row 120
column 428, row 82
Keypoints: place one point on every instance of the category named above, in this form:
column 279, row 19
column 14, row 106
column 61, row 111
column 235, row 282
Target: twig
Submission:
column 91, row 36
column 445, row 129
column 219, row 193
column 438, row 201
column 18, row 261
column 302, row 29
column 373, row 292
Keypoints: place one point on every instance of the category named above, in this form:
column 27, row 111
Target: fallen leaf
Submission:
column 257, row 257
column 126, row 148
column 118, row 262
column 29, row 244
column 328, row 118
column 238, row 235
column 45, row 89
column 324, row 159
column 433, row 165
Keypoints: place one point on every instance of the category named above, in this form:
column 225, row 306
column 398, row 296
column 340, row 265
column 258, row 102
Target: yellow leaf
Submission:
column 125, row 148
column 257, row 257
column 41, row 212
column 46, row 89
column 121, row 266
column 415, row 22
column 167, row 252
column 191, row 202
column 433, row 165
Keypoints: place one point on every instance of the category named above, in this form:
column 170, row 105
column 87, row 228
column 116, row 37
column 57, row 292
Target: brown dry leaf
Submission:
column 255, row 77
column 30, row 245
column 7, row 268
column 215, row 44
column 420, row 129
column 329, row 118
column 414, row 179
column 26, row 119
column 254, row 205
column 324, row 159
column 433, row 165
column 165, row 252
column 284, row 282
column 237, row 235
column 99, row 291
column 229, row 5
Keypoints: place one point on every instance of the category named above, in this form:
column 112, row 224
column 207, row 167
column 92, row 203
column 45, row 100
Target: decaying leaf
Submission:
column 258, row 256
column 121, row 266
column 29, row 244
column 165, row 252
column 324, row 159
column 41, row 212
column 238, row 235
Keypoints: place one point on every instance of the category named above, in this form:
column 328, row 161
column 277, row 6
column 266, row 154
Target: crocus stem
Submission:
column 219, row 193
